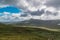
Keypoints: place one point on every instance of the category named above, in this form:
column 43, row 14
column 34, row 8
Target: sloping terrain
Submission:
column 40, row 23
column 10, row 32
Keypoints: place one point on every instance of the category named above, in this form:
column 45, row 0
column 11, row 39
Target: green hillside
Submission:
column 9, row 32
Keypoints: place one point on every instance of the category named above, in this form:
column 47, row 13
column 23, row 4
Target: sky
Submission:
column 18, row 10
column 10, row 9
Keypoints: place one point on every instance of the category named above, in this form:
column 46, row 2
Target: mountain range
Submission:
column 39, row 23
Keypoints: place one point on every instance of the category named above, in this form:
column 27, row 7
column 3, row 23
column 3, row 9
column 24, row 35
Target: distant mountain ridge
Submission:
column 38, row 23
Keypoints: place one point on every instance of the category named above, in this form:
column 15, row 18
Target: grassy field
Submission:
column 26, row 33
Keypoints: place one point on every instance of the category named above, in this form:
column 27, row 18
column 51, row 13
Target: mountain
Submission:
column 40, row 23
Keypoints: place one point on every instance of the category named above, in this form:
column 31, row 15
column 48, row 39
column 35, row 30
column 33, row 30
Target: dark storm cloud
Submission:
column 9, row 2
column 54, row 3
column 37, row 13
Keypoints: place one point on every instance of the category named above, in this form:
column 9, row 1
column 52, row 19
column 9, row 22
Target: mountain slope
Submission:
column 38, row 23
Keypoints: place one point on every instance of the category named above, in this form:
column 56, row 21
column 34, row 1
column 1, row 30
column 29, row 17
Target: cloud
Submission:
column 31, row 5
column 8, row 2
column 6, row 17
column 2, row 6
column 50, row 17
column 36, row 9
column 54, row 3
column 14, row 17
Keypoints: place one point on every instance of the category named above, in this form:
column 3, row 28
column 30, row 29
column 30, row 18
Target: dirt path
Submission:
column 58, row 30
column 45, row 28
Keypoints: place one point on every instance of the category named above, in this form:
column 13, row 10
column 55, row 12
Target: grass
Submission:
column 9, row 32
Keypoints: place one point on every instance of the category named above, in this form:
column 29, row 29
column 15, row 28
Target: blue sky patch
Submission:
column 10, row 9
